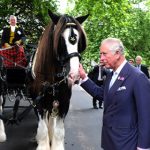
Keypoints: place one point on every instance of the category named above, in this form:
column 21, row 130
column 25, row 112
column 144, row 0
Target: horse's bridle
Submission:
column 63, row 75
column 69, row 56
column 63, row 62
column 72, row 39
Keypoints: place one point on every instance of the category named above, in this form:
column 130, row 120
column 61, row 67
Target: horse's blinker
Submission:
column 72, row 37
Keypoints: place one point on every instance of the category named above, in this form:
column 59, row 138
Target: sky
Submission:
column 63, row 6
column 141, row 5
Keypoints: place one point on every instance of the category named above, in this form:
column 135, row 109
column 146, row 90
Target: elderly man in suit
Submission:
column 126, row 95
column 140, row 66
column 12, row 34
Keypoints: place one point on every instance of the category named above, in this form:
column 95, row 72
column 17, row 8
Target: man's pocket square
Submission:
column 121, row 88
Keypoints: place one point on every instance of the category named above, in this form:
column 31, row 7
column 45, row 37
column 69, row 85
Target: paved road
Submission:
column 82, row 125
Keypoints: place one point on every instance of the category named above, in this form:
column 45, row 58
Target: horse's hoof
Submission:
column 2, row 137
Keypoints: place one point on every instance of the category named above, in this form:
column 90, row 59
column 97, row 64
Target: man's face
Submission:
column 131, row 62
column 138, row 61
column 107, row 57
column 12, row 21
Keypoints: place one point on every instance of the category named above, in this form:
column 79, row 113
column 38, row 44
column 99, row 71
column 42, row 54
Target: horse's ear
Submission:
column 82, row 18
column 53, row 16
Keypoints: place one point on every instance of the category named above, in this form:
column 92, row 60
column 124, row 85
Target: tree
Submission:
column 115, row 18
column 31, row 15
column 108, row 18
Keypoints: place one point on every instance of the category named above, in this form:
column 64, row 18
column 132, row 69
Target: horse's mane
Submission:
column 49, row 49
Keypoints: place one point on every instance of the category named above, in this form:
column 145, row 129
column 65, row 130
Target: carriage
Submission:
column 13, row 83
column 47, row 80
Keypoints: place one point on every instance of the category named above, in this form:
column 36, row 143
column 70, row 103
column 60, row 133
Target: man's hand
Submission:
column 82, row 72
column 18, row 42
column 82, row 75
column 6, row 45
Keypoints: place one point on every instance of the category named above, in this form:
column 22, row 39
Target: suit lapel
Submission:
column 119, row 81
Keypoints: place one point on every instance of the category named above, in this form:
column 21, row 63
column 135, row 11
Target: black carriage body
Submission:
column 14, row 79
column 15, row 68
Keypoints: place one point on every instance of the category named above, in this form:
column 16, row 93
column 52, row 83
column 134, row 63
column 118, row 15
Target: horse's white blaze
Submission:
column 74, row 66
column 74, row 61
column 70, row 47
column 2, row 128
column 42, row 136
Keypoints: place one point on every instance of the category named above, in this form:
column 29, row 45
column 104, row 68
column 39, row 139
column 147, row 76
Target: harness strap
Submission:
column 16, row 64
column 16, row 47
column 74, row 55
column 64, row 60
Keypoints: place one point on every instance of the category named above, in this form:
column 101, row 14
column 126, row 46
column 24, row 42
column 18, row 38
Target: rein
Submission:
column 15, row 64
column 3, row 49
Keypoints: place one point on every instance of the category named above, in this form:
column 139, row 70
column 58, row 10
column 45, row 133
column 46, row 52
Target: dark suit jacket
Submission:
column 19, row 34
column 126, row 121
column 145, row 70
column 94, row 73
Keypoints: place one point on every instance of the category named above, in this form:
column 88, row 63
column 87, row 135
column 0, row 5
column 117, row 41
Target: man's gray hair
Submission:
column 115, row 44
column 12, row 16
column 138, row 57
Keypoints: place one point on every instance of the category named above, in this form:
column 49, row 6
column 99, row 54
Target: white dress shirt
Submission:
column 116, row 73
column 142, row 148
column 100, row 74
column 113, row 79
column 13, row 28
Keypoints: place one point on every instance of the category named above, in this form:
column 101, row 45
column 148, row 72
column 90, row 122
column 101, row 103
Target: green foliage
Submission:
column 108, row 18
column 115, row 18
column 32, row 15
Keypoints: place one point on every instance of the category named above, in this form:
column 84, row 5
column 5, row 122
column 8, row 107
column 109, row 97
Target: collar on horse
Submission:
column 51, row 89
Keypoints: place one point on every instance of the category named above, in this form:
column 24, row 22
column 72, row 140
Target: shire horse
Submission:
column 54, row 70
column 55, row 61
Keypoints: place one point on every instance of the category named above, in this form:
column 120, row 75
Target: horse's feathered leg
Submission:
column 50, row 125
column 2, row 128
column 58, row 134
column 42, row 135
